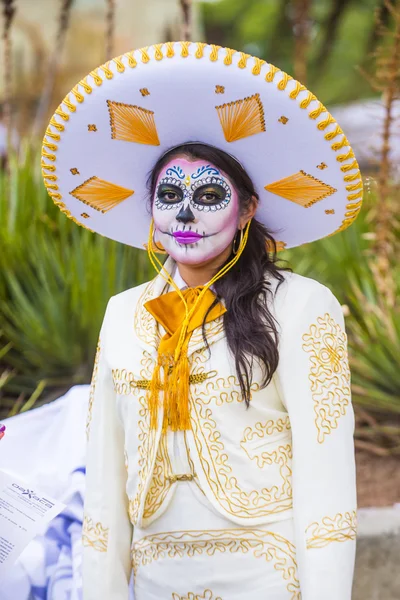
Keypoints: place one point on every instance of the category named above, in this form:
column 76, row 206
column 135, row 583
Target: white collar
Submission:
column 179, row 281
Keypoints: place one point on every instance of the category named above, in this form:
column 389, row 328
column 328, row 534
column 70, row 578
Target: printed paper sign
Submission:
column 23, row 512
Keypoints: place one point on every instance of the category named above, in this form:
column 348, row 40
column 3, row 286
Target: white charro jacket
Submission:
column 291, row 454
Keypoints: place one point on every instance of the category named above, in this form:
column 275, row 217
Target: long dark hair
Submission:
column 250, row 328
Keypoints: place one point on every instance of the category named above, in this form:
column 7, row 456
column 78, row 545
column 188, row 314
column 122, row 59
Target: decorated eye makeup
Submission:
column 170, row 192
column 206, row 194
column 211, row 194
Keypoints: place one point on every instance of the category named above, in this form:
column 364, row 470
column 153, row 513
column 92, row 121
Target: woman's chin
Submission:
column 191, row 254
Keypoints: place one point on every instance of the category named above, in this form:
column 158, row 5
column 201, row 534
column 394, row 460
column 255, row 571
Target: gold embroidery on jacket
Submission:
column 329, row 375
column 219, row 473
column 94, row 535
column 146, row 327
column 262, row 431
column 340, row 528
column 206, row 595
column 191, row 464
column 125, row 383
column 215, row 390
column 262, row 544
column 160, row 484
column 92, row 390
column 146, row 443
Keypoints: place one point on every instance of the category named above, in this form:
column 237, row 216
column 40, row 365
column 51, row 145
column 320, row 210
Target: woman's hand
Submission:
column 2, row 431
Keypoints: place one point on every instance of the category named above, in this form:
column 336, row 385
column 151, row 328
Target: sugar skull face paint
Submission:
column 195, row 210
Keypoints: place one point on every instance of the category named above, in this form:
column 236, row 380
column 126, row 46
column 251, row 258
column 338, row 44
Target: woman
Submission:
column 220, row 457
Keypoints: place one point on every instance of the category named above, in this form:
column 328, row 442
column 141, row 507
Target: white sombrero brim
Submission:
column 107, row 134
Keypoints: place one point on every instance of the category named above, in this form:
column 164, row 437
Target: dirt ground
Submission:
column 378, row 479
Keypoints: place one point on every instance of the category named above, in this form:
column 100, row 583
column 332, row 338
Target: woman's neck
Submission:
column 195, row 275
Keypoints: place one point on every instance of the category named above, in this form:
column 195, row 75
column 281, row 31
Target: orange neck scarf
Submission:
column 169, row 311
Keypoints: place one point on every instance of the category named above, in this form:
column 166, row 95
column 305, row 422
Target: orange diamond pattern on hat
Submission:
column 132, row 124
column 301, row 188
column 101, row 195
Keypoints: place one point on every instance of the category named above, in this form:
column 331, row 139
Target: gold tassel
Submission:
column 176, row 393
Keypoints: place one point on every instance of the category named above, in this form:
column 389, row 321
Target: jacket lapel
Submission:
column 150, row 332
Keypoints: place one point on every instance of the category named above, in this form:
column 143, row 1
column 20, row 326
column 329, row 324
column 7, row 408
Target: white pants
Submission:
column 193, row 553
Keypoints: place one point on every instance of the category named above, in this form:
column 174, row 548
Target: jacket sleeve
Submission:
column 314, row 378
column 107, row 531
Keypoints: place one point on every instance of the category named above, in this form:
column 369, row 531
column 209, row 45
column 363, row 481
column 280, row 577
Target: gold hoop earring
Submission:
column 154, row 243
column 234, row 249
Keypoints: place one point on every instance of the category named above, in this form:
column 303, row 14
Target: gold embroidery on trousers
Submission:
column 262, row 544
column 92, row 390
column 206, row 595
column 262, row 431
column 94, row 535
column 329, row 374
column 218, row 471
column 340, row 528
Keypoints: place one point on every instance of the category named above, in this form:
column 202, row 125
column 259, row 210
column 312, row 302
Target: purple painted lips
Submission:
column 187, row 237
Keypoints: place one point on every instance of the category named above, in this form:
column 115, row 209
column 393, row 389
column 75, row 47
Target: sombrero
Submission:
column 108, row 132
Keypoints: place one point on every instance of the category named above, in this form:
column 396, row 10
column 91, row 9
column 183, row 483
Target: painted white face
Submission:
column 195, row 210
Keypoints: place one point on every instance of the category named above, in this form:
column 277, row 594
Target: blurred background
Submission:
column 56, row 278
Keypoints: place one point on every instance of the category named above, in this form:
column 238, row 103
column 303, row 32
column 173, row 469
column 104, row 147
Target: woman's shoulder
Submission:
column 128, row 299
column 295, row 291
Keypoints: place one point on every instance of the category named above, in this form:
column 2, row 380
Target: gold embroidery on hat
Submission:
column 219, row 89
column 283, row 120
column 132, row 124
column 158, row 55
column 144, row 92
column 242, row 118
column 271, row 73
column 340, row 528
column 214, row 52
column 258, row 63
column 159, row 250
column 185, row 49
column 92, row 127
column 85, row 215
column 242, row 64
column 74, row 171
column 301, row 188
column 170, row 49
column 330, row 211
column 228, row 56
column 101, row 195
column 279, row 246
column 322, row 166
column 296, row 91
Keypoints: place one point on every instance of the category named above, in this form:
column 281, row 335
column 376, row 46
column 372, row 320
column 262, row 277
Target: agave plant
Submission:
column 56, row 279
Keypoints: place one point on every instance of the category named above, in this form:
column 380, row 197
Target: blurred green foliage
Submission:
column 56, row 279
column 342, row 34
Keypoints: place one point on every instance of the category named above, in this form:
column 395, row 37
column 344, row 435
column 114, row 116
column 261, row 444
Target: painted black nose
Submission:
column 185, row 215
